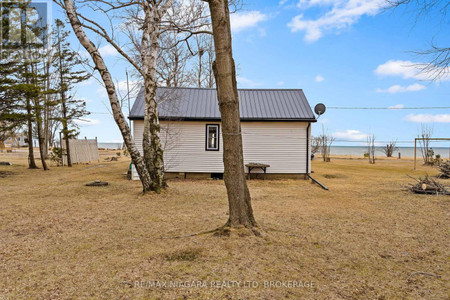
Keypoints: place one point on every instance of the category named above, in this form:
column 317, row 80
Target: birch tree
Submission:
column 107, row 79
column 143, row 24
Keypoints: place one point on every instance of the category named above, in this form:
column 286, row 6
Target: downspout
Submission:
column 308, row 158
column 307, row 148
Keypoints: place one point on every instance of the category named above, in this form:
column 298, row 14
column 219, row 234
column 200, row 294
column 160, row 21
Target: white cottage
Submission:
column 276, row 131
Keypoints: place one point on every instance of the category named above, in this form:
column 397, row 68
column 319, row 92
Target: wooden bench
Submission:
column 252, row 166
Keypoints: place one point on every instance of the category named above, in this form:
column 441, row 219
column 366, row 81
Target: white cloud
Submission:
column 319, row 78
column 397, row 106
column 402, row 89
column 282, row 2
column 107, row 50
column 428, row 118
column 352, row 135
column 245, row 82
column 87, row 122
column 280, row 83
column 310, row 3
column 408, row 70
column 244, row 20
column 341, row 14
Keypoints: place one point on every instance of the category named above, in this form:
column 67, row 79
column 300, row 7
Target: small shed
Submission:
column 276, row 131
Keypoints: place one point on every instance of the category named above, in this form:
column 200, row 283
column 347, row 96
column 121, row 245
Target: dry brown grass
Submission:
column 360, row 240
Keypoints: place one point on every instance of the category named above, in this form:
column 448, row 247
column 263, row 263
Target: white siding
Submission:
column 282, row 145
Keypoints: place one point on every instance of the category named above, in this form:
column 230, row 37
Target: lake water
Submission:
column 112, row 146
column 357, row 151
column 405, row 151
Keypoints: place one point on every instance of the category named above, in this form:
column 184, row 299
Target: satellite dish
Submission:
column 320, row 109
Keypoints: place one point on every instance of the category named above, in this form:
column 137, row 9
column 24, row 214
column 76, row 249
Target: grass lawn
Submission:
column 362, row 239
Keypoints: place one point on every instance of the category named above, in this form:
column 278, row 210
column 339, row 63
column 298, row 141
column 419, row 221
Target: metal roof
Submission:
column 201, row 104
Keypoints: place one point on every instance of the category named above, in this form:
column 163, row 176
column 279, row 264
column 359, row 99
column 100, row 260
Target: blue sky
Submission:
column 340, row 52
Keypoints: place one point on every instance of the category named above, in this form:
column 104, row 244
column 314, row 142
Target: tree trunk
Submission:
column 153, row 152
column 66, row 136
column 112, row 95
column 46, row 132
column 241, row 213
column 151, row 143
column 31, row 160
column 38, row 117
column 41, row 139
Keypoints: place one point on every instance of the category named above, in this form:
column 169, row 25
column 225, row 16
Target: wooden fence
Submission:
column 81, row 151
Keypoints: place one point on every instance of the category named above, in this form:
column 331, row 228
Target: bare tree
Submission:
column 438, row 57
column 371, row 148
column 202, row 74
column 390, row 148
column 173, row 62
column 143, row 25
column 240, row 208
column 315, row 144
column 424, row 141
column 119, row 118
column 187, row 46
column 325, row 141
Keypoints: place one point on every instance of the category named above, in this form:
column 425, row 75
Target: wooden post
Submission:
column 415, row 153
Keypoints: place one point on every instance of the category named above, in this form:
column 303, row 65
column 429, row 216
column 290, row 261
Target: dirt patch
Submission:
column 333, row 176
column 96, row 166
column 184, row 255
column 4, row 174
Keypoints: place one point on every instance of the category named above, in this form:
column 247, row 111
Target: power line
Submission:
column 390, row 108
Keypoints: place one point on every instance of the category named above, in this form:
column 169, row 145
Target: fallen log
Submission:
column 444, row 168
column 428, row 186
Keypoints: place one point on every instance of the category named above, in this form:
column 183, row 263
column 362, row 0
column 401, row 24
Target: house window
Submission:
column 212, row 137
